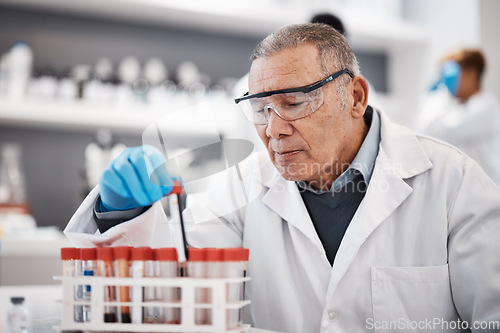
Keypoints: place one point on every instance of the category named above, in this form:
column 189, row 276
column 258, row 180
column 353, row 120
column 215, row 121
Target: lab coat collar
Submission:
column 405, row 155
column 268, row 172
column 284, row 198
column 400, row 157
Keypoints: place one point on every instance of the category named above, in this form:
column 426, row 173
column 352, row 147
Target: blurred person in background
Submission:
column 461, row 113
column 331, row 20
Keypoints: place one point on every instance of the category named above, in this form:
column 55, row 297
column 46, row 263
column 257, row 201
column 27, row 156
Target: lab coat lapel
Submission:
column 385, row 194
column 400, row 156
column 284, row 198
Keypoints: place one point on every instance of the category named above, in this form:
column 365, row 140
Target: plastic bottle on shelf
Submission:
column 66, row 87
column 12, row 181
column 105, row 268
column 167, row 267
column 72, row 267
column 14, row 208
column 99, row 88
column 122, row 269
column 188, row 74
column 129, row 70
column 17, row 316
column 81, row 74
column 103, row 69
column 44, row 85
column 156, row 73
column 20, row 66
column 4, row 72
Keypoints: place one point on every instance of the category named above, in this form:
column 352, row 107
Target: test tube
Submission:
column 138, row 256
column 72, row 266
column 122, row 269
column 235, row 260
column 89, row 256
column 151, row 314
column 196, row 268
column 167, row 267
column 214, row 268
column 105, row 268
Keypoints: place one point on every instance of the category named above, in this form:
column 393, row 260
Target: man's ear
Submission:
column 359, row 92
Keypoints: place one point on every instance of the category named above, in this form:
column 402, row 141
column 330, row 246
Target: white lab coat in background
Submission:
column 473, row 127
column 422, row 247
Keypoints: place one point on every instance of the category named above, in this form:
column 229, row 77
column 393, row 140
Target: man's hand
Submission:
column 136, row 178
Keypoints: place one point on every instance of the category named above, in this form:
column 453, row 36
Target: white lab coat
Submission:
column 473, row 127
column 423, row 245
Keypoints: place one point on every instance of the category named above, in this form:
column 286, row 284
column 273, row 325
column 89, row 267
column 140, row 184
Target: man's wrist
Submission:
column 107, row 219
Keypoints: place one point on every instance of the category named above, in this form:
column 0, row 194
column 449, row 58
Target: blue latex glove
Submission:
column 136, row 178
column 449, row 77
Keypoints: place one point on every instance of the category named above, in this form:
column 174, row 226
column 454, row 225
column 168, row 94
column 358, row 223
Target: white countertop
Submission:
column 31, row 257
column 43, row 304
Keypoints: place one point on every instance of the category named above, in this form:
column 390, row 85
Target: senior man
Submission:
column 361, row 225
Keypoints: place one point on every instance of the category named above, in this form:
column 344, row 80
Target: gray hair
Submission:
column 334, row 49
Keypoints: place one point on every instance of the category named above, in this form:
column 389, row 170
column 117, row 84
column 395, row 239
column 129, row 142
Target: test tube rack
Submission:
column 218, row 305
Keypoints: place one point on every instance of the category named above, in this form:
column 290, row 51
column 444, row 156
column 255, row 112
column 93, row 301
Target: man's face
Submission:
column 318, row 147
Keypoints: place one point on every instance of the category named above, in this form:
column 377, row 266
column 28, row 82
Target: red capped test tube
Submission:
column 89, row 261
column 214, row 268
column 139, row 258
column 167, row 267
column 235, row 262
column 105, row 268
column 197, row 268
column 122, row 269
column 72, row 267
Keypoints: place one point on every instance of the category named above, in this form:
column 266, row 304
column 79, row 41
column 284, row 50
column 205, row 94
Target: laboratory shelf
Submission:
column 246, row 18
column 87, row 117
column 222, row 16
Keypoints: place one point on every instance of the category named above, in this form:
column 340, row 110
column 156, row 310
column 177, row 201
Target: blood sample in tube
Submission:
column 122, row 269
column 105, row 268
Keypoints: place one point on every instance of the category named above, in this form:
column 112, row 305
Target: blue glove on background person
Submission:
column 136, row 178
column 449, row 76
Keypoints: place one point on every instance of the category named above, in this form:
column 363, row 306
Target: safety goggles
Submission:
column 289, row 104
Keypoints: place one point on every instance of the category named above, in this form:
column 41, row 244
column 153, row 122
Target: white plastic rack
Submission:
column 219, row 305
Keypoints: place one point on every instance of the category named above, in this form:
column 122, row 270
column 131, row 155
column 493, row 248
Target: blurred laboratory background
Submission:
column 80, row 80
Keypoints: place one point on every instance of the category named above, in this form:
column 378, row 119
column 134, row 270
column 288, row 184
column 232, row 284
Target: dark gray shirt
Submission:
column 331, row 211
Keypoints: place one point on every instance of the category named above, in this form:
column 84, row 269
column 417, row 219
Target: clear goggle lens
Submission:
column 288, row 106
